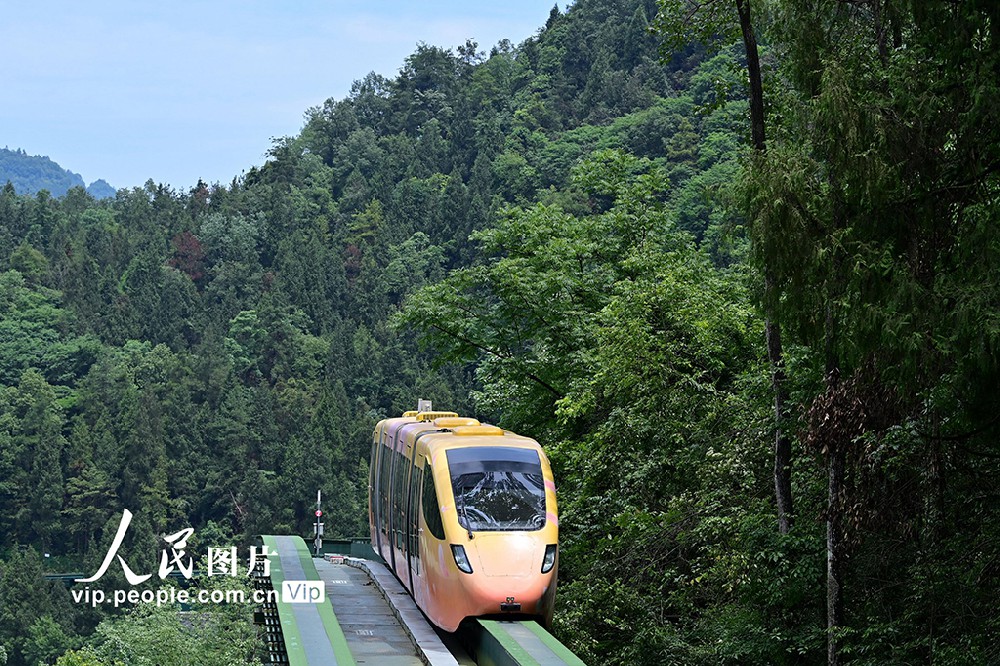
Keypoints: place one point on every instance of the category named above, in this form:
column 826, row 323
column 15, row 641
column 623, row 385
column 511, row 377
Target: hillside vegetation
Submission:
column 30, row 174
column 570, row 238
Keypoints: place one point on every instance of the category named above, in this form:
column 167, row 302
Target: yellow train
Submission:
column 465, row 515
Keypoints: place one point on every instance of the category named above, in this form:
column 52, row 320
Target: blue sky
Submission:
column 175, row 91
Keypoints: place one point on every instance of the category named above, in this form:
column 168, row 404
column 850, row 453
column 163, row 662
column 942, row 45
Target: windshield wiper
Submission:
column 465, row 515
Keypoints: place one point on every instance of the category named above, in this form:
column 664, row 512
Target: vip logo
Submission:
column 303, row 592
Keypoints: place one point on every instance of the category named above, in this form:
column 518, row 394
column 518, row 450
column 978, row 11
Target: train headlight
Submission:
column 549, row 560
column 461, row 559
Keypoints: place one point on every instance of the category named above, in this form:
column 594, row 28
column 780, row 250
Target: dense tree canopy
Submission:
column 568, row 237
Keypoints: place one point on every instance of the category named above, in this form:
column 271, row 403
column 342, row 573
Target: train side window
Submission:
column 412, row 519
column 374, row 492
column 398, row 502
column 432, row 510
column 383, row 482
column 391, row 491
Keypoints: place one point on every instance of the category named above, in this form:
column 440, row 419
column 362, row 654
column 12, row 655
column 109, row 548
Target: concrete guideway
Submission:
column 369, row 618
column 433, row 649
column 364, row 620
column 373, row 633
column 313, row 636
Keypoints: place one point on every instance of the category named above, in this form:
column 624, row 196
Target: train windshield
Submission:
column 498, row 488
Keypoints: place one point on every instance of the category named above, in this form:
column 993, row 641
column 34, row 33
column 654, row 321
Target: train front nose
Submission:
column 511, row 568
column 509, row 555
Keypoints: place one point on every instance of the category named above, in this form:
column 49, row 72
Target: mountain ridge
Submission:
column 30, row 174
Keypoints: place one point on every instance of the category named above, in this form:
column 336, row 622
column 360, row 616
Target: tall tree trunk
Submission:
column 834, row 552
column 836, row 448
column 782, row 445
column 753, row 71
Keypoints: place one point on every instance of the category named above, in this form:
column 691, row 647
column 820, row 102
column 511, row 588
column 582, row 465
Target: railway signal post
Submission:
column 318, row 544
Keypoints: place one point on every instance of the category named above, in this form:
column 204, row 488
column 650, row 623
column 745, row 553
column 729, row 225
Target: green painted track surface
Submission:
column 313, row 636
column 524, row 643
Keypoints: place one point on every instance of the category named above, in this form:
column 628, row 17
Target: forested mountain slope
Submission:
column 30, row 174
column 546, row 236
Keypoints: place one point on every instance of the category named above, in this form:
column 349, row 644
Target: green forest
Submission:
column 734, row 263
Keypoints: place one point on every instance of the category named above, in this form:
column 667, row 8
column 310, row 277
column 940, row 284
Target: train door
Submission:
column 385, row 469
column 375, row 490
column 412, row 523
column 392, row 498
